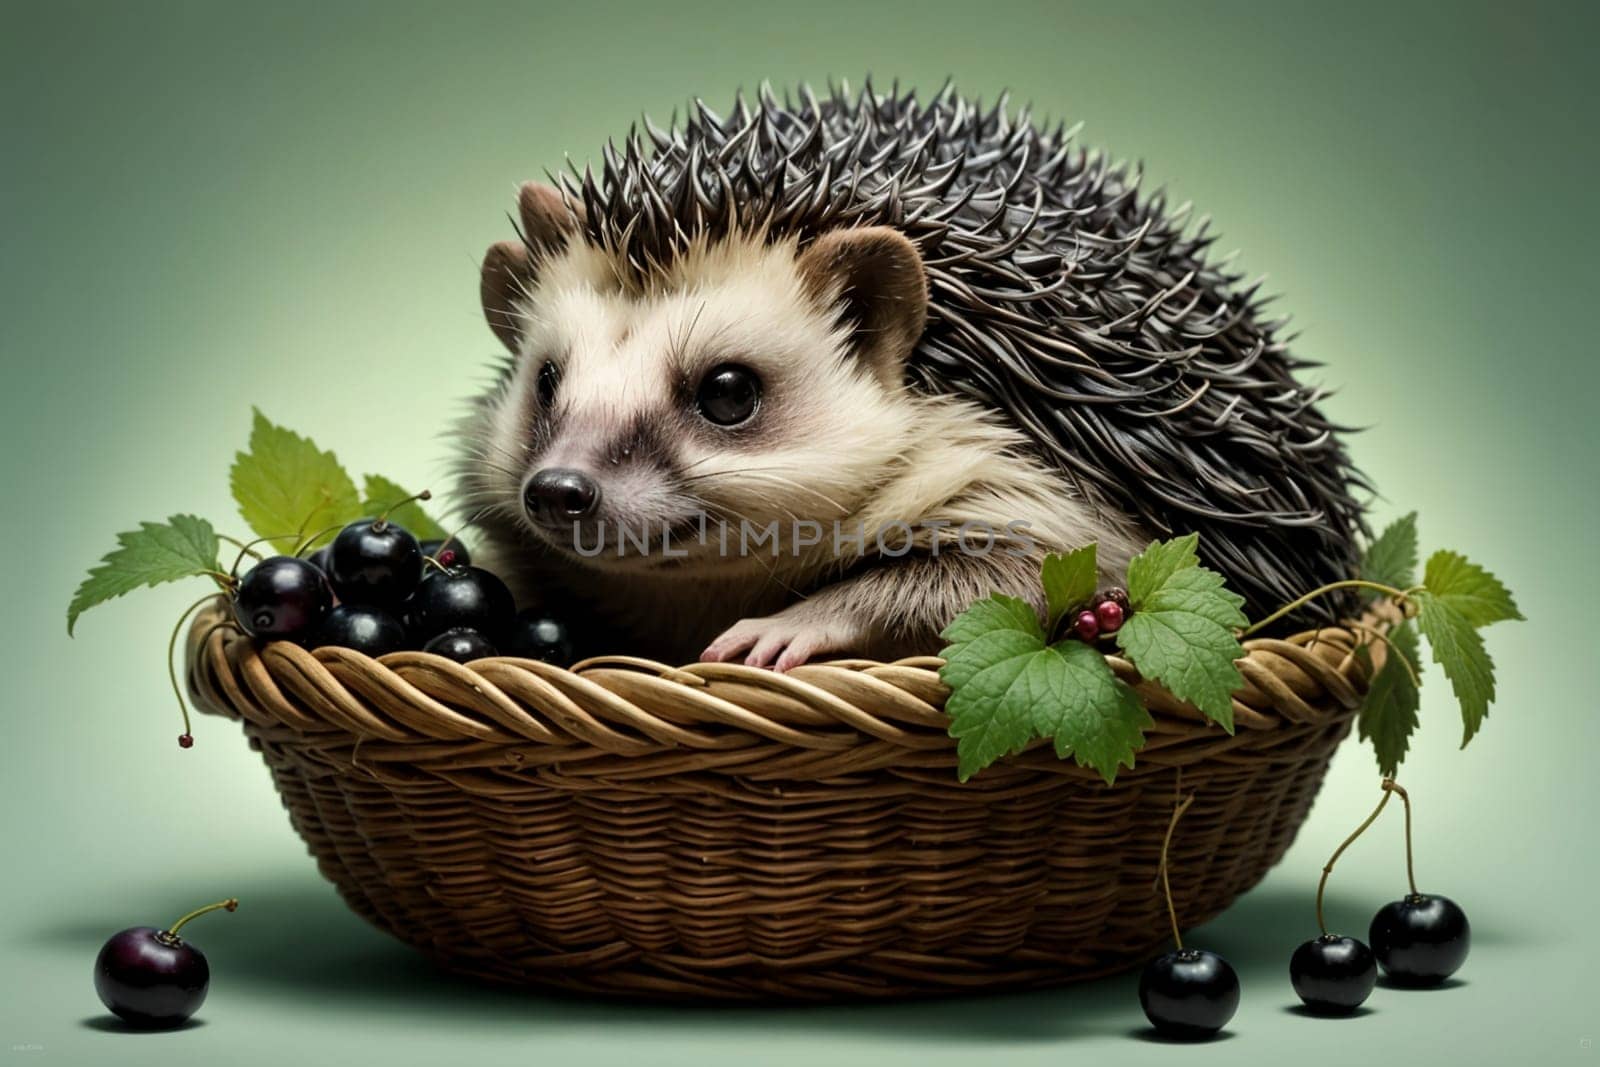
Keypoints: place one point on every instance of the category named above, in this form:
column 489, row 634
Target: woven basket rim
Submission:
column 624, row 706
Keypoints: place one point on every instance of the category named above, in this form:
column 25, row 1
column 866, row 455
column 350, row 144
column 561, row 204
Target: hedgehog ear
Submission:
column 510, row 267
column 873, row 277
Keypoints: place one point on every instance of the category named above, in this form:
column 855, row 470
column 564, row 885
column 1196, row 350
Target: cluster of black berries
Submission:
column 376, row 589
column 1103, row 617
column 1420, row 941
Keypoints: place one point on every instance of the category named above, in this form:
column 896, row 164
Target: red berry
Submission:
column 185, row 741
column 446, row 558
column 1086, row 626
column 1108, row 613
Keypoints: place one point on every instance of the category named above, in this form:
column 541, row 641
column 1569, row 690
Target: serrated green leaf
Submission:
column 994, row 612
column 1391, row 559
column 984, row 721
column 1457, row 647
column 1181, row 632
column 1069, row 581
column 1476, row 594
column 1089, row 713
column 182, row 547
column 1202, row 592
column 1150, row 569
column 1389, row 714
column 286, row 484
column 382, row 495
column 1008, row 688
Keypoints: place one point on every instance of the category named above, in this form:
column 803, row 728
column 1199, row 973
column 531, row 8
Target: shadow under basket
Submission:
column 722, row 832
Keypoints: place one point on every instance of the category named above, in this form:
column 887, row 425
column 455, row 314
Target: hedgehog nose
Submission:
column 560, row 494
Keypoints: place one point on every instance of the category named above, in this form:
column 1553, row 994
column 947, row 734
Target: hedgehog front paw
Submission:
column 784, row 640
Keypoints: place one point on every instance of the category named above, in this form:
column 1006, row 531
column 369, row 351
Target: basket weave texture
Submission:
column 719, row 831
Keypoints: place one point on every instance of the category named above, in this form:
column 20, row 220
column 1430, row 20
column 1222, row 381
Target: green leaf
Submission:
column 382, row 495
column 1090, row 713
column 995, row 612
column 287, row 487
column 1069, row 582
column 1181, row 633
column 1008, row 688
column 1458, row 648
column 182, row 547
column 1389, row 714
column 1469, row 589
column 1391, row 559
column 1150, row 569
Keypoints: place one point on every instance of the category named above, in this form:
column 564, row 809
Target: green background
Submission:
column 284, row 204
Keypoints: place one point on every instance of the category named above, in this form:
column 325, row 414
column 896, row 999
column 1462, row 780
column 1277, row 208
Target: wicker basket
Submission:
column 718, row 831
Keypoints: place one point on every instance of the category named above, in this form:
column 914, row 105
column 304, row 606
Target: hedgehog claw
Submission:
column 781, row 641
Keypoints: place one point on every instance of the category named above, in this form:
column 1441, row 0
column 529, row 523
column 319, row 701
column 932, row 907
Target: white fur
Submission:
column 835, row 445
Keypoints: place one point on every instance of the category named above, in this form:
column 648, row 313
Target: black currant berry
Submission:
column 365, row 629
column 535, row 636
column 319, row 559
column 152, row 978
column 467, row 597
column 1189, row 993
column 461, row 644
column 376, row 562
column 1421, row 940
column 449, row 553
column 281, row 597
column 1118, row 596
column 1333, row 974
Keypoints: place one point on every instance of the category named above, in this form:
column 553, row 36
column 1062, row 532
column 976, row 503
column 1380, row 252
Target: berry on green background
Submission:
column 1333, row 975
column 281, row 598
column 154, row 979
column 1421, row 939
column 1188, row 993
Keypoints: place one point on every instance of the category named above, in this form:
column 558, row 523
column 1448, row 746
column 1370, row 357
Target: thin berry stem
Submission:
column 1166, row 885
column 383, row 520
column 1349, row 583
column 248, row 547
column 1328, row 868
column 1405, row 798
column 231, row 904
column 235, row 542
column 172, row 648
column 226, row 581
column 304, row 543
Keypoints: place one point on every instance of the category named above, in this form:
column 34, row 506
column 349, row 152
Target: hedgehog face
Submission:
column 748, row 384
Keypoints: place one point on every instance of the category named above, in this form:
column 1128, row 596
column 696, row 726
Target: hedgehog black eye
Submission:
column 549, row 378
column 729, row 394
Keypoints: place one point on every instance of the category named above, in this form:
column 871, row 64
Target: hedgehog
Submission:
column 828, row 317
